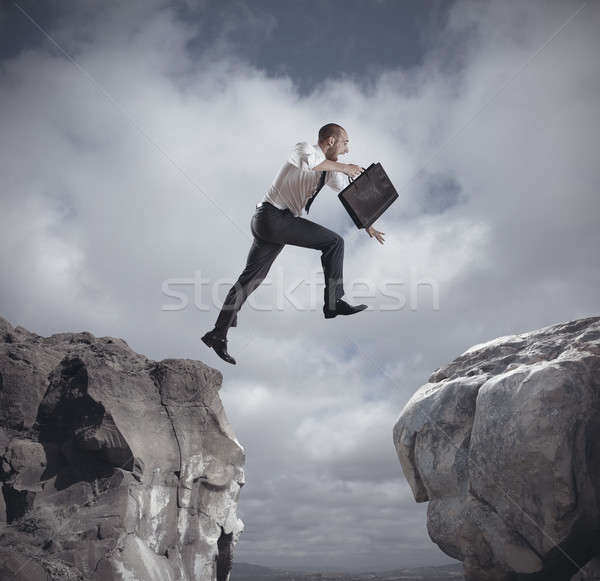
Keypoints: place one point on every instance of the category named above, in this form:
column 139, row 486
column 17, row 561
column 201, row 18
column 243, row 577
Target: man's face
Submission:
column 340, row 147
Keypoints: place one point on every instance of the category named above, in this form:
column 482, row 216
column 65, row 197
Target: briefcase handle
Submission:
column 350, row 180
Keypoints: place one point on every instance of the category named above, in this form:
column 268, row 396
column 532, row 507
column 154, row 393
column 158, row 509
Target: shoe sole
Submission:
column 332, row 315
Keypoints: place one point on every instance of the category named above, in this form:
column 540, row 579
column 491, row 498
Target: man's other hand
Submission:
column 372, row 232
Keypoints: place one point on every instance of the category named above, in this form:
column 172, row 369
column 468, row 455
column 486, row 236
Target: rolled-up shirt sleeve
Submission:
column 306, row 156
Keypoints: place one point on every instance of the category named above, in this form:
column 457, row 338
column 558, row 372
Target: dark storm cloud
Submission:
column 318, row 40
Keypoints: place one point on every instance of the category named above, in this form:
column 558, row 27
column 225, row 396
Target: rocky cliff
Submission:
column 504, row 443
column 114, row 467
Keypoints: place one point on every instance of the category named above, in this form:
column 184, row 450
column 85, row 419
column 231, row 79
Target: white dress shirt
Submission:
column 297, row 180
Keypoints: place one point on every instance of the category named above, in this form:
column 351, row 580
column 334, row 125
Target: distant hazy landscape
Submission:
column 248, row 572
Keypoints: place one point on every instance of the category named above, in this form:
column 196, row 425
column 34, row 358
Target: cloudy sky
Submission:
column 137, row 137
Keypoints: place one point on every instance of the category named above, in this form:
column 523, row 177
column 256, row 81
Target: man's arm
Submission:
column 306, row 156
column 329, row 165
column 347, row 168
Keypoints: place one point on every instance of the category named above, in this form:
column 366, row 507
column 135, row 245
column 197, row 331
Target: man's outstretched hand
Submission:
column 372, row 232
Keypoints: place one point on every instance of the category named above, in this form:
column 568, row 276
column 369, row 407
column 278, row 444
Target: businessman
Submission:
column 277, row 221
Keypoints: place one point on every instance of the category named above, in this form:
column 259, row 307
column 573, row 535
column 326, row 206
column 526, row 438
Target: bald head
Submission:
column 333, row 140
column 330, row 130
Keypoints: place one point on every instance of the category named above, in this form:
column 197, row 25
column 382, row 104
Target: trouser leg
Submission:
column 298, row 231
column 309, row 234
column 259, row 261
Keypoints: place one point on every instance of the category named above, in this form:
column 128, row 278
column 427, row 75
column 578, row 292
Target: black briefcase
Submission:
column 368, row 196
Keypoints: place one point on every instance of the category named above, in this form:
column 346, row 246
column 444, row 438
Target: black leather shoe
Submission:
column 219, row 345
column 342, row 308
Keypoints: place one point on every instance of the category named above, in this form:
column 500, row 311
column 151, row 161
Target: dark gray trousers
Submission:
column 272, row 229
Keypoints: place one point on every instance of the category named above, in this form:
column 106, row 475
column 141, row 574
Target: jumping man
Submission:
column 277, row 222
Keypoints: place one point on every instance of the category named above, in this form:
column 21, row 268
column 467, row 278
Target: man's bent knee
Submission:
column 337, row 240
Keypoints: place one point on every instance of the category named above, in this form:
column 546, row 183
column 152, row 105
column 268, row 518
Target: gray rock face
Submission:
column 114, row 467
column 504, row 443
